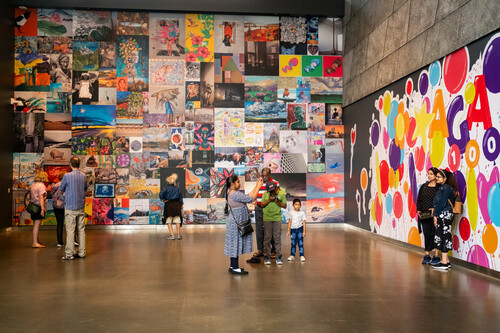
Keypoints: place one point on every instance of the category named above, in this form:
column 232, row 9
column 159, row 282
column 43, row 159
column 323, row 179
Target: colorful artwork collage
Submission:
column 446, row 116
column 139, row 96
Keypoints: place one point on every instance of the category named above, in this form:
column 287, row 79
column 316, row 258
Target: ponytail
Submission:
column 229, row 180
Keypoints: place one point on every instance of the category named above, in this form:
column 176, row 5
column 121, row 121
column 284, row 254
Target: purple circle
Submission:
column 394, row 155
column 462, row 185
column 491, row 65
column 491, row 132
column 375, row 133
column 423, row 83
column 477, row 255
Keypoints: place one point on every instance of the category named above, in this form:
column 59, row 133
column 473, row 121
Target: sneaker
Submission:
column 279, row 262
column 449, row 265
column 441, row 266
column 435, row 260
column 302, row 258
column 239, row 271
column 427, row 260
column 179, row 237
column 267, row 261
column 60, row 245
column 171, row 237
column 291, row 258
column 77, row 256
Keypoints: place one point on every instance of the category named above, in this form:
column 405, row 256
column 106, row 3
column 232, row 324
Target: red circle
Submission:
column 380, row 103
column 455, row 242
column 384, row 176
column 454, row 158
column 411, row 130
column 409, row 87
column 464, row 228
column 397, row 204
column 456, row 66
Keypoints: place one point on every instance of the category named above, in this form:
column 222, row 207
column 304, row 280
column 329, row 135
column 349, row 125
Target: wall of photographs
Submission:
column 139, row 96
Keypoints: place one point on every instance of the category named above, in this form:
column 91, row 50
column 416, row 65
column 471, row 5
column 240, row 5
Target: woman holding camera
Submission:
column 237, row 212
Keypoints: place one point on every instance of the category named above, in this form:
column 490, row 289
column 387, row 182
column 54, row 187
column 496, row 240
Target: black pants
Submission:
column 429, row 232
column 59, row 213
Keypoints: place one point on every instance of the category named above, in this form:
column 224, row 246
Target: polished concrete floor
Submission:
column 137, row 281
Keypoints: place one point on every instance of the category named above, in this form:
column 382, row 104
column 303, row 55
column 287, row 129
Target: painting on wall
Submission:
column 449, row 123
column 138, row 96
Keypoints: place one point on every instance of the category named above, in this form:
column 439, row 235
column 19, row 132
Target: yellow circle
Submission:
column 387, row 103
column 470, row 93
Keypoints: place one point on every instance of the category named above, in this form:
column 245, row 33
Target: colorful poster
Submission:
column 200, row 37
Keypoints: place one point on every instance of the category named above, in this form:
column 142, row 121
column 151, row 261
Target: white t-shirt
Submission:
column 297, row 218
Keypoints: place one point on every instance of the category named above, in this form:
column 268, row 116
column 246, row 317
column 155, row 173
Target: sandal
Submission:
column 253, row 260
column 68, row 258
column 38, row 246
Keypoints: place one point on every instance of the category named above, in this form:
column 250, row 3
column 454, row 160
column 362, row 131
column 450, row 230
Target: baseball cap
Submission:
column 270, row 186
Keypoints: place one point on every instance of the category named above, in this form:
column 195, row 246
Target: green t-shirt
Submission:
column 272, row 212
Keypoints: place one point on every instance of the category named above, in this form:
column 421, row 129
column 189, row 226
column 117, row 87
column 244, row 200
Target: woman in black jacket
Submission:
column 443, row 215
column 425, row 206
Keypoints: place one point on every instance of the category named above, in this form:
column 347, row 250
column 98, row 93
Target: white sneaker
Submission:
column 267, row 261
column 302, row 258
column 179, row 237
column 291, row 258
column 171, row 237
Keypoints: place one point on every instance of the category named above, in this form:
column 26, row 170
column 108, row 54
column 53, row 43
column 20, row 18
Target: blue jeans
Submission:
column 297, row 239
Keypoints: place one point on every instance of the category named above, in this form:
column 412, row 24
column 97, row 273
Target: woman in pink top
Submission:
column 38, row 195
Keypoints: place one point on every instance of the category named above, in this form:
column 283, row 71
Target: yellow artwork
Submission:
column 290, row 65
column 199, row 37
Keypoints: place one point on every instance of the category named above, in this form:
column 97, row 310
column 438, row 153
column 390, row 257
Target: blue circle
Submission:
column 388, row 203
column 434, row 73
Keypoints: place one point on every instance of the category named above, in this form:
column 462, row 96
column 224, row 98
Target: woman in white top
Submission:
column 38, row 196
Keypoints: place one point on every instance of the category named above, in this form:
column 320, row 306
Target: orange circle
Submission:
column 405, row 186
column 472, row 144
column 364, row 179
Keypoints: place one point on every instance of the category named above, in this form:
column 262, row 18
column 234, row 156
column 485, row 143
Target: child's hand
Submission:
column 288, row 233
column 304, row 234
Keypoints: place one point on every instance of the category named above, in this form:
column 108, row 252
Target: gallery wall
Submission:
column 444, row 115
column 139, row 96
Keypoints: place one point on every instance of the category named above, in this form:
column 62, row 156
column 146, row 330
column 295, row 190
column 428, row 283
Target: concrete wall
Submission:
column 6, row 87
column 388, row 39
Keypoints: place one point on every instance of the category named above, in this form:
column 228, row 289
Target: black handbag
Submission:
column 245, row 227
column 425, row 215
column 33, row 208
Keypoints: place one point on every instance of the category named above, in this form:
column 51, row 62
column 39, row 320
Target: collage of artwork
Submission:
column 138, row 96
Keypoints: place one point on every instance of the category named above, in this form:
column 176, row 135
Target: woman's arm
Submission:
column 255, row 192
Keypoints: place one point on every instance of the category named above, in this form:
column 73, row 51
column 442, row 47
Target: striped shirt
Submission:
column 74, row 184
column 263, row 189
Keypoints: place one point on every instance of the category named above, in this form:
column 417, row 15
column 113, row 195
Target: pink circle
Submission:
column 394, row 223
column 397, row 204
column 477, row 255
column 456, row 66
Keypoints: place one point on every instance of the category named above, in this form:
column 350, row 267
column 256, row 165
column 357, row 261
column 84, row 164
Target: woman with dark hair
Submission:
column 237, row 211
column 425, row 204
column 443, row 215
